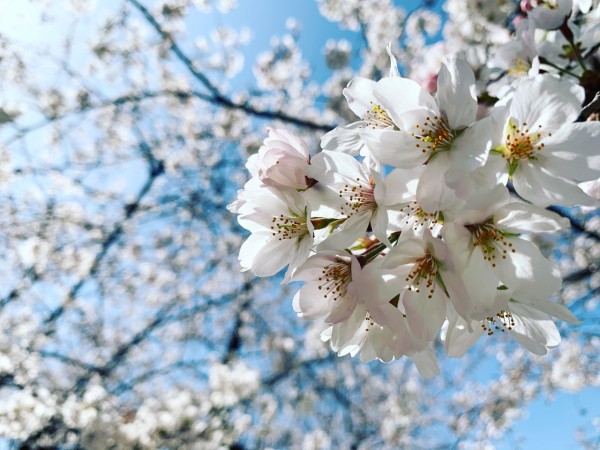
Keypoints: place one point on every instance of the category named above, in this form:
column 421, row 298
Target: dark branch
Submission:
column 216, row 96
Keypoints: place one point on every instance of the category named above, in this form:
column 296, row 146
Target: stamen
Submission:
column 433, row 136
column 502, row 321
column 377, row 117
column 419, row 218
column 521, row 142
column 490, row 240
column 359, row 197
column 286, row 227
column 425, row 270
column 334, row 280
column 519, row 67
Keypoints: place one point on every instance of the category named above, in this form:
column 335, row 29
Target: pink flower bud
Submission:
column 282, row 160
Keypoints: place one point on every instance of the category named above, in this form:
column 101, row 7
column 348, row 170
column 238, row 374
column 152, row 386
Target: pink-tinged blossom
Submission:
column 356, row 301
column 545, row 153
column 281, row 161
column 282, row 232
column 324, row 294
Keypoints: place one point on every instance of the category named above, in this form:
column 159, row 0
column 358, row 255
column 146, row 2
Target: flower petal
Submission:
column 344, row 139
column 425, row 315
column 399, row 95
column 523, row 218
column 546, row 101
column 456, row 93
column 572, row 151
column 360, row 95
column 542, row 188
column 395, row 148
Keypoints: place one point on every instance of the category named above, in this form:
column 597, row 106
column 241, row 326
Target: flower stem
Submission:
column 560, row 69
column 568, row 34
column 376, row 250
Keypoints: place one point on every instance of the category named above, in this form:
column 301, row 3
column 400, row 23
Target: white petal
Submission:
column 309, row 302
column 523, row 218
column 546, row 101
column 273, row 257
column 393, row 64
column 545, row 305
column 534, row 330
column 395, row 148
column 527, row 269
column 456, row 93
column 405, row 252
column 432, row 193
column 573, row 151
column 458, row 239
column 542, row 188
column 302, row 253
column 425, row 315
column 481, row 283
column 458, row 337
column 344, row 139
column 550, row 18
column 398, row 96
column 342, row 309
column 426, row 363
column 460, row 297
column 399, row 186
column 360, row 95
column 471, row 148
column 379, row 224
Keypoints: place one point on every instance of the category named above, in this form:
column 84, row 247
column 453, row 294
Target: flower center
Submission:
column 434, row 135
column 377, row 117
column 521, row 143
column 490, row 240
column 285, row 227
column 334, row 279
column 502, row 321
column 359, row 197
column 519, row 67
column 424, row 270
column 419, row 218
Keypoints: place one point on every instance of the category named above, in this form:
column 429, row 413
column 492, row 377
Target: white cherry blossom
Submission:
column 357, row 193
column 545, row 153
column 515, row 312
column 426, row 282
column 484, row 238
column 282, row 232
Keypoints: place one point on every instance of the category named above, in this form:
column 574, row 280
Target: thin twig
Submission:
column 216, row 96
column 590, row 108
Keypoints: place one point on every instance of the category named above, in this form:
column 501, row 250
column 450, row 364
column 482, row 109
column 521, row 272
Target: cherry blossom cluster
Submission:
column 415, row 220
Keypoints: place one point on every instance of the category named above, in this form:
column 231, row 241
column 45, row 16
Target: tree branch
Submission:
column 216, row 96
